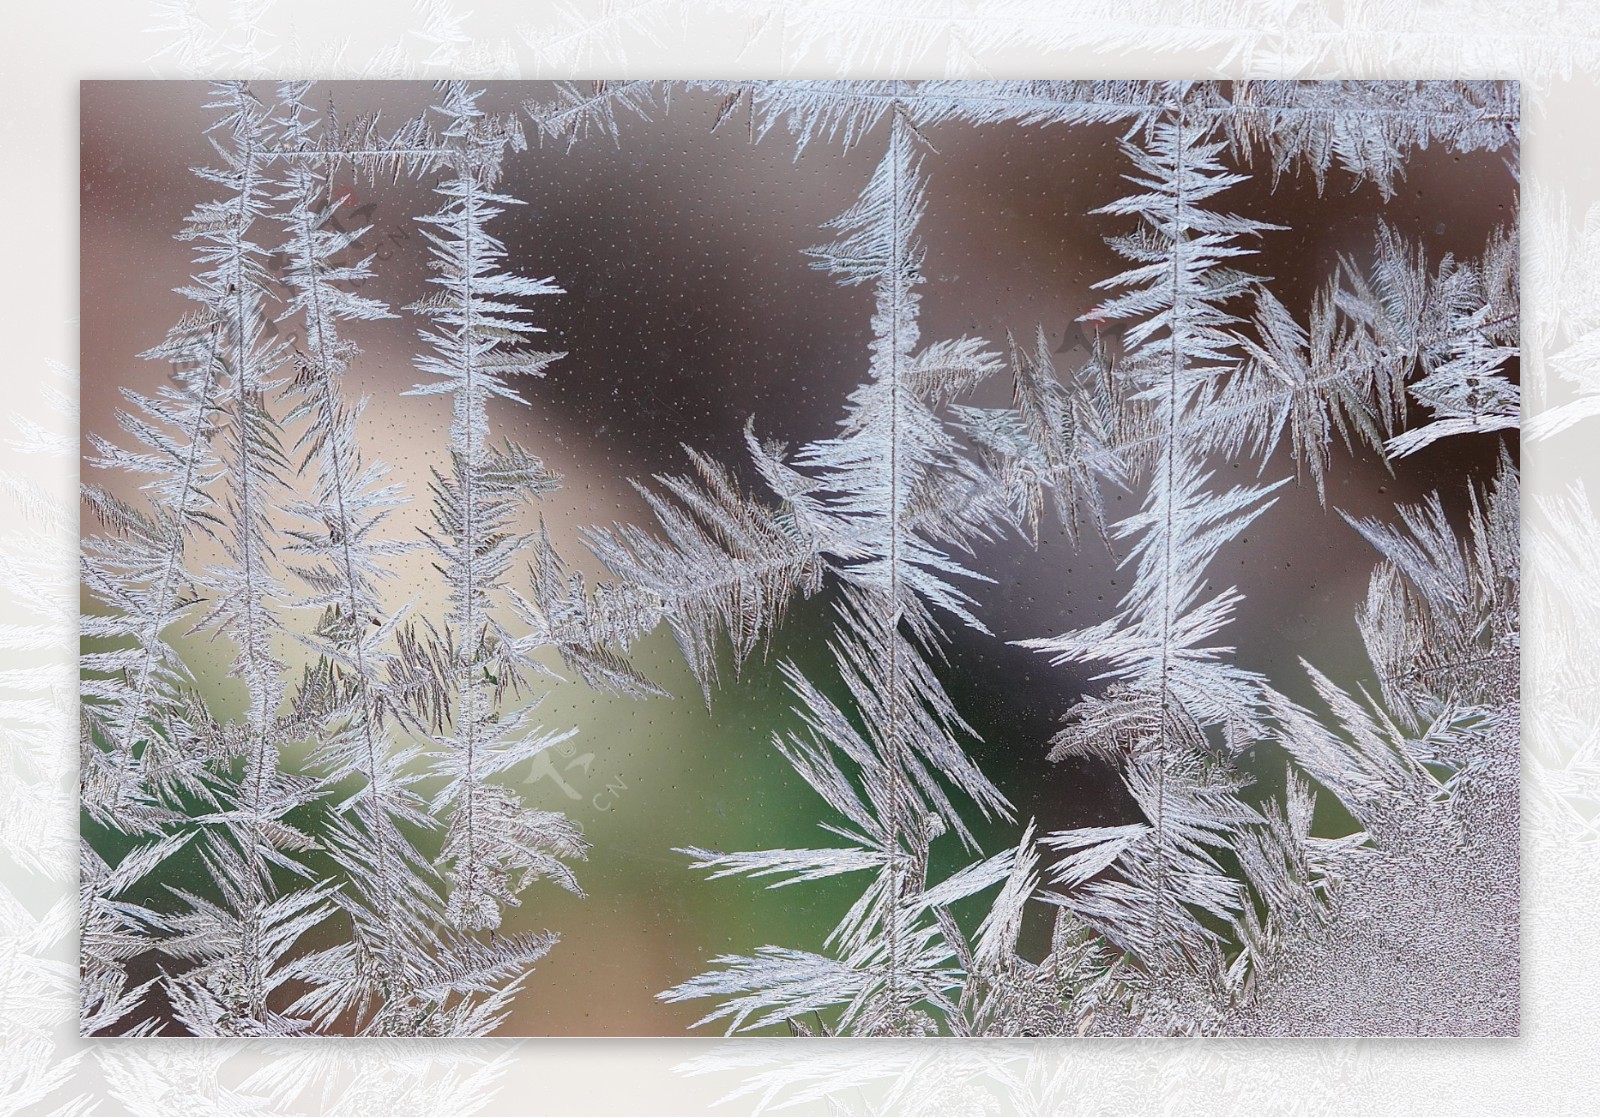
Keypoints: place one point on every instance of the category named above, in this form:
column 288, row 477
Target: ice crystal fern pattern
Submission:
column 1298, row 855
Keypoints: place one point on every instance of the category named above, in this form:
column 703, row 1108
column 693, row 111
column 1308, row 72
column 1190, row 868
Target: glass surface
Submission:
column 897, row 339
